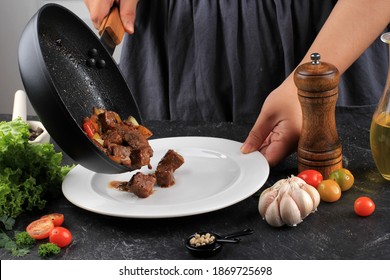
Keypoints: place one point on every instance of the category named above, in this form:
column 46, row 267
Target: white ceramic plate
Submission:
column 215, row 175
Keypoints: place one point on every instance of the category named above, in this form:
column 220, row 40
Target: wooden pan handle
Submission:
column 113, row 25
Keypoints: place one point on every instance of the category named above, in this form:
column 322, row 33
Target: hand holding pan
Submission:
column 66, row 71
column 111, row 30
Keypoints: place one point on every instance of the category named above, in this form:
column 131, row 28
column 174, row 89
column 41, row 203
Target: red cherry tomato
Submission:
column 56, row 218
column 364, row 206
column 40, row 229
column 60, row 236
column 311, row 177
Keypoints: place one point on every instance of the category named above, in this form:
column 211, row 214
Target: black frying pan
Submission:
column 63, row 86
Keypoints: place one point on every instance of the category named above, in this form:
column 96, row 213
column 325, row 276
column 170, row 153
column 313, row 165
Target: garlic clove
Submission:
column 303, row 201
column 272, row 215
column 266, row 198
column 315, row 196
column 276, row 186
column 293, row 182
column 283, row 186
column 289, row 211
column 299, row 181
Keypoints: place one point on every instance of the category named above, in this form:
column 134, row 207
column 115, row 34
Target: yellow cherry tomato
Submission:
column 343, row 177
column 329, row 190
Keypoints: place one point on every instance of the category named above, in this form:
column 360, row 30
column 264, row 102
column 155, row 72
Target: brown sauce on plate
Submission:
column 118, row 185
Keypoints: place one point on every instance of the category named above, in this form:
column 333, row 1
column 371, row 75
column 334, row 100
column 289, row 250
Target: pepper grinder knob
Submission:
column 319, row 147
column 315, row 58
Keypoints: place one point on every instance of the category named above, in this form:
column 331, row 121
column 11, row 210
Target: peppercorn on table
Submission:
column 333, row 232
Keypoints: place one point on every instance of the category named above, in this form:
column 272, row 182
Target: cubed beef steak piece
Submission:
column 165, row 178
column 112, row 136
column 121, row 154
column 108, row 120
column 166, row 167
column 122, row 141
column 141, row 184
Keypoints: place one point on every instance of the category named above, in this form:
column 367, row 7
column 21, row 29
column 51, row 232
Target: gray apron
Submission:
column 217, row 60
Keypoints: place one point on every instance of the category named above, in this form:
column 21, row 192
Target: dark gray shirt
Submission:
column 217, row 60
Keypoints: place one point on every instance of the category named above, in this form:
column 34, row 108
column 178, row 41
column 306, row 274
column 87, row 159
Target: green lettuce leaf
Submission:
column 29, row 173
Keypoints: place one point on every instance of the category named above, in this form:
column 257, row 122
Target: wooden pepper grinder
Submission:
column 319, row 147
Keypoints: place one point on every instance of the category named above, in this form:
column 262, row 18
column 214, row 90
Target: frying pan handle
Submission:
column 112, row 24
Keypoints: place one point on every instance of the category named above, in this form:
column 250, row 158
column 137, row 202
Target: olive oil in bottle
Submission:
column 380, row 125
column 380, row 143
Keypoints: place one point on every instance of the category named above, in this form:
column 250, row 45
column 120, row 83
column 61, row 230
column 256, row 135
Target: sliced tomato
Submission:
column 60, row 236
column 56, row 218
column 40, row 229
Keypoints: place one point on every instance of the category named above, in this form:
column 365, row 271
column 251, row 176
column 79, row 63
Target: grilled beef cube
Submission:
column 122, row 140
column 135, row 150
column 165, row 178
column 170, row 161
column 111, row 137
column 135, row 139
column 108, row 120
column 120, row 154
column 141, row 184
column 141, row 157
column 125, row 127
column 141, row 152
column 165, row 168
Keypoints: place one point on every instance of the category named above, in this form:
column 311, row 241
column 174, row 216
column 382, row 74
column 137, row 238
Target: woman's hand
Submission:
column 99, row 9
column 347, row 33
column 277, row 129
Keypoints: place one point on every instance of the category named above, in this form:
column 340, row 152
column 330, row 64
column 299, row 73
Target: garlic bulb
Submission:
column 288, row 202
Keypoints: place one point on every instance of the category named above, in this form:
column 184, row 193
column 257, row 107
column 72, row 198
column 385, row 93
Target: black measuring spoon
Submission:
column 214, row 247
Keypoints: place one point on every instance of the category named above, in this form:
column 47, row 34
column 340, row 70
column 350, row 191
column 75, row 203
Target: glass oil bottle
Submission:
column 380, row 126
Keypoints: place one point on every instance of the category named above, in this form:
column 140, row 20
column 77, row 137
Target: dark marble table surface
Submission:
column 333, row 232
